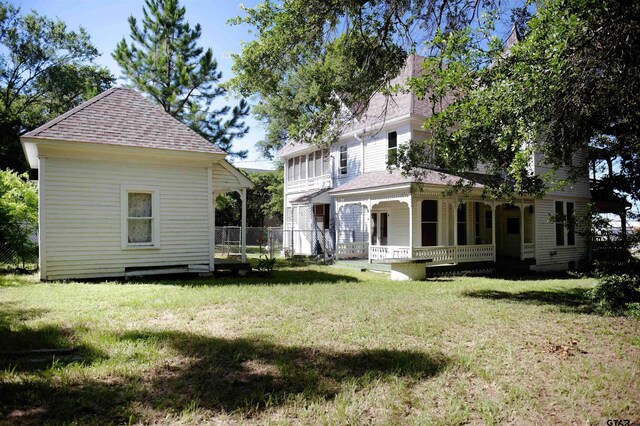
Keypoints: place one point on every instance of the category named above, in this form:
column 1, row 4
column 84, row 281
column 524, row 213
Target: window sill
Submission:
column 141, row 247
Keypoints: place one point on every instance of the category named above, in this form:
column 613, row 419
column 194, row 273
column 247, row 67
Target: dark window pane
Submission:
column 429, row 234
column 559, row 234
column 429, row 211
column 513, row 225
column 571, row 235
column 392, row 139
column 488, row 220
column 462, row 234
column 462, row 213
column 559, row 211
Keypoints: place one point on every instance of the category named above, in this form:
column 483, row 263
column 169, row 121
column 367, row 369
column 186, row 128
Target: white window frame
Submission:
column 390, row 149
column 343, row 170
column 125, row 190
column 564, row 223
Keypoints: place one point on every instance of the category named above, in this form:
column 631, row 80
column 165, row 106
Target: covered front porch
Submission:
column 414, row 230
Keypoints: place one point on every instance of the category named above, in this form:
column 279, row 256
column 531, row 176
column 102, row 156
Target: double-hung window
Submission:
column 343, row 160
column 140, row 220
column 392, row 149
column 565, row 223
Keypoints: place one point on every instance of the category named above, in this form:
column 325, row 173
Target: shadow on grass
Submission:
column 242, row 376
column 567, row 299
column 27, row 348
column 294, row 276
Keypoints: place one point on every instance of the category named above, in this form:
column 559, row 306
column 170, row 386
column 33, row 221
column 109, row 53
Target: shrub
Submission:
column 617, row 294
column 18, row 217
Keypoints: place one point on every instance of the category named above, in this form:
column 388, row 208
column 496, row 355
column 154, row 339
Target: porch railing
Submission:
column 439, row 255
column 317, row 182
column 352, row 250
column 389, row 252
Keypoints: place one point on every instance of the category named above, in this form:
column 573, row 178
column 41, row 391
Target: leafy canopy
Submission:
column 164, row 61
column 570, row 86
column 45, row 70
column 18, row 215
column 315, row 64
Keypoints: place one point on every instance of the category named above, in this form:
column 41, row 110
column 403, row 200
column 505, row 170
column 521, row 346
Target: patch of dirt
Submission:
column 27, row 417
column 564, row 351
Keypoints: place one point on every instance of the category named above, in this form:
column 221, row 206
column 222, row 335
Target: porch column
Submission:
column 211, row 198
column 410, row 226
column 337, row 228
column 455, row 231
column 521, row 229
column 370, row 232
column 243, row 230
column 493, row 230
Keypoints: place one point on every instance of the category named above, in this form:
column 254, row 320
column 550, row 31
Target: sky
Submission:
column 106, row 22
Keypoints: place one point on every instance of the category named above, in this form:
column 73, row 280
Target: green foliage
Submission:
column 45, row 70
column 164, row 61
column 265, row 200
column 18, row 215
column 616, row 294
column 315, row 64
column 571, row 84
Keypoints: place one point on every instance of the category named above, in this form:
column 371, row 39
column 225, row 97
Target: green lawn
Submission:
column 314, row 345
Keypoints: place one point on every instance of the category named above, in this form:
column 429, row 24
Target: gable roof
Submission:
column 121, row 116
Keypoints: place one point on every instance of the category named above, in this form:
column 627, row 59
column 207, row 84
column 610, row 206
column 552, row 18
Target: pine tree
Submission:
column 164, row 61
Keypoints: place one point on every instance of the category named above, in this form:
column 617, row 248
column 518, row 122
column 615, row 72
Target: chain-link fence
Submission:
column 14, row 256
column 274, row 241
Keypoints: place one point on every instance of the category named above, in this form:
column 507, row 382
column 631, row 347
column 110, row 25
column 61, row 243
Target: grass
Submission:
column 314, row 345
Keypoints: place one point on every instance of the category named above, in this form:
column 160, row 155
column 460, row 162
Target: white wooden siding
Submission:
column 545, row 239
column 223, row 178
column 82, row 205
column 376, row 147
column 354, row 161
column 579, row 188
column 353, row 224
column 398, row 222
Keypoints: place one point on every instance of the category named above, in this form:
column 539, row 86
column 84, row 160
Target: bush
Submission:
column 616, row 294
column 18, row 218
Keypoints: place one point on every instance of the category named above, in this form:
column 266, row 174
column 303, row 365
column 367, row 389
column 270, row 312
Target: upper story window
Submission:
column 342, row 169
column 140, row 223
column 565, row 221
column 306, row 166
column 392, row 149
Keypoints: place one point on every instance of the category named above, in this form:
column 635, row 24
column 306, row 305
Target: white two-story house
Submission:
column 345, row 200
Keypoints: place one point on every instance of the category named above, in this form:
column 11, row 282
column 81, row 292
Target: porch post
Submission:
column 493, row 230
column 410, row 226
column 455, row 232
column 243, row 235
column 370, row 232
column 521, row 229
column 211, row 218
column 337, row 228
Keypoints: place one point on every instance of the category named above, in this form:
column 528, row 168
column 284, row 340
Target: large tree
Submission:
column 45, row 70
column 315, row 64
column 570, row 84
column 164, row 61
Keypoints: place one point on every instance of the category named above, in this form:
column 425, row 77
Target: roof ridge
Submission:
column 72, row 111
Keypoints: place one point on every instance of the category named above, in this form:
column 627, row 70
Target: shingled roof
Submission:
column 383, row 178
column 121, row 116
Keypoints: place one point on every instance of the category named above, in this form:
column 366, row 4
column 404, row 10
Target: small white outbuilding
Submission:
column 126, row 189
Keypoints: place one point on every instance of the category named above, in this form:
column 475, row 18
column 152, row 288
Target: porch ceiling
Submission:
column 315, row 196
